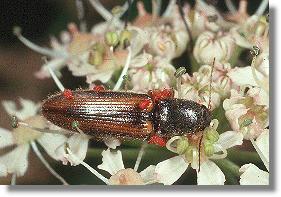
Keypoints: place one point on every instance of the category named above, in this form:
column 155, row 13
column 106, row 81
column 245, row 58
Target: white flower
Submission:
column 213, row 45
column 252, row 32
column 201, row 21
column 150, row 73
column 251, row 174
column 112, row 163
column 111, row 62
column 197, row 88
column 167, row 43
column 166, row 172
column 212, row 146
column 247, row 113
column 255, row 75
column 16, row 161
column 221, row 81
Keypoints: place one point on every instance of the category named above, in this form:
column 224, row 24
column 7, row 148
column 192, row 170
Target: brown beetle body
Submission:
column 103, row 114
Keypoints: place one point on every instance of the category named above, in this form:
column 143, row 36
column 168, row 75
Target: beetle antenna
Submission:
column 199, row 154
column 15, row 123
column 211, row 87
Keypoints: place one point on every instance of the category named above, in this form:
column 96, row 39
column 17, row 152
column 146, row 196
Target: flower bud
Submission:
column 149, row 67
column 99, row 47
column 95, row 58
column 212, row 135
column 111, row 38
column 117, row 10
column 190, row 151
column 182, row 145
column 211, row 45
column 208, row 149
column 125, row 38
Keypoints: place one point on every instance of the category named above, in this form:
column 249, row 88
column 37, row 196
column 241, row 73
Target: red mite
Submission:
column 154, row 116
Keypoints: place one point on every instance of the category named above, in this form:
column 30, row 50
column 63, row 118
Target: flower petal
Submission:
column 210, row 174
column 3, row 170
column 263, row 143
column 16, row 161
column 6, row 138
column 170, row 170
column 252, row 175
column 229, row 139
column 244, row 76
column 126, row 177
column 111, row 161
column 28, row 109
column 51, row 142
column 112, row 142
column 148, row 174
column 78, row 144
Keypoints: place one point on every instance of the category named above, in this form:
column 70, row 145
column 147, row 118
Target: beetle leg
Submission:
column 158, row 95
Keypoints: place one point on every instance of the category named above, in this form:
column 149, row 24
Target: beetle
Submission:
column 101, row 113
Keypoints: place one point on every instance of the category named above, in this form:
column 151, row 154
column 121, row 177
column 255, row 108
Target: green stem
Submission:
column 194, row 64
column 243, row 157
column 153, row 155
column 233, row 60
column 228, row 166
column 219, row 114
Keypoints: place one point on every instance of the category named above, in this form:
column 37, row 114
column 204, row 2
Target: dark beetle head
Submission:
column 181, row 117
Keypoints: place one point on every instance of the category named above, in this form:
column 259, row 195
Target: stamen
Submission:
column 105, row 13
column 169, row 8
column 46, row 164
column 124, row 71
column 255, row 52
column 230, row 6
column 156, row 8
column 81, row 15
column 38, row 49
column 55, row 78
column 262, row 8
column 140, row 154
column 178, row 74
column 242, row 6
column 14, row 179
column 73, row 157
column 75, row 125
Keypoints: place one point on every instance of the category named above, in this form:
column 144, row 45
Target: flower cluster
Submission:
column 139, row 56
